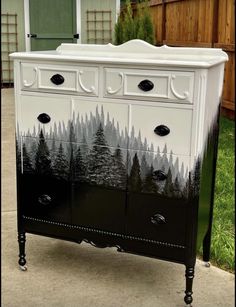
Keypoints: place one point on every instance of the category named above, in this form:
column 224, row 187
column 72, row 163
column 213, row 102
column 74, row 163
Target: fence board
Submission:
column 199, row 23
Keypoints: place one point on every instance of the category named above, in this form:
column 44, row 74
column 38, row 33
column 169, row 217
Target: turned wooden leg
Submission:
column 207, row 247
column 21, row 241
column 189, row 274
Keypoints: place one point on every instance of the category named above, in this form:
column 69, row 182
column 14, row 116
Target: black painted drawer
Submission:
column 156, row 217
column 44, row 198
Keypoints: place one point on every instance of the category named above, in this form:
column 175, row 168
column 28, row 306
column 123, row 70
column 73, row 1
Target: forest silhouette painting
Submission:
column 97, row 153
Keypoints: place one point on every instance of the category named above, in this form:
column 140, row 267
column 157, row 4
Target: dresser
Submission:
column 116, row 146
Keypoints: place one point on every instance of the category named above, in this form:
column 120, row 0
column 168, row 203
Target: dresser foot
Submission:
column 23, row 268
column 21, row 241
column 206, row 247
column 189, row 274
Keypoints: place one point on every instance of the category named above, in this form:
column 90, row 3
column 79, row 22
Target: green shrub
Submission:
column 130, row 27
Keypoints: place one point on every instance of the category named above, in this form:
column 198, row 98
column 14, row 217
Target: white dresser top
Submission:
column 132, row 52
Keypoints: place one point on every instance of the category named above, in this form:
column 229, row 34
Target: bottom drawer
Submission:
column 156, row 217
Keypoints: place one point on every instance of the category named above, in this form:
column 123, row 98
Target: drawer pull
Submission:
column 146, row 85
column 92, row 88
column 159, row 175
column 44, row 118
column 158, row 219
column 162, row 130
column 44, row 200
column 57, row 79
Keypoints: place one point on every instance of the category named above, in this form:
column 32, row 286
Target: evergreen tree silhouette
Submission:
column 177, row 188
column 80, row 167
column 33, row 149
column 119, row 174
column 128, row 164
column 196, row 177
column 149, row 184
column 53, row 152
column 100, row 161
column 71, row 151
column 18, row 157
column 42, row 157
column 61, row 167
column 144, row 167
column 27, row 164
column 168, row 187
column 135, row 182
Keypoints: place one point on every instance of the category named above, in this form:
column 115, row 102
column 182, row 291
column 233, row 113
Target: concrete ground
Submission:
column 64, row 274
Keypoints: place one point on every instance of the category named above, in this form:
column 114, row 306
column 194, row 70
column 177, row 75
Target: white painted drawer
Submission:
column 51, row 115
column 174, row 86
column 59, row 79
column 145, row 120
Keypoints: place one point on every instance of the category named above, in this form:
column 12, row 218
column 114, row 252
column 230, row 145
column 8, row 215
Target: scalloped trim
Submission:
column 105, row 232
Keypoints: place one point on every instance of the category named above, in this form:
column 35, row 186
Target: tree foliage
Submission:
column 132, row 25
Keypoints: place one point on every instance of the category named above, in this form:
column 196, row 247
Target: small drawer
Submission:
column 161, row 130
column 60, row 79
column 170, row 86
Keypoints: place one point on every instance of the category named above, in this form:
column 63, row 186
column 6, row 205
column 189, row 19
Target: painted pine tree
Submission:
column 100, row 161
column 135, row 181
column 27, row 163
column 149, row 183
column 18, row 156
column 118, row 169
column 42, row 157
column 168, row 187
column 61, row 166
column 144, row 167
column 80, row 166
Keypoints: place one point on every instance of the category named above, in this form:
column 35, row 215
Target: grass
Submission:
column 222, row 242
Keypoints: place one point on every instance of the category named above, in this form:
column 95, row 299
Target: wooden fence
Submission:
column 199, row 23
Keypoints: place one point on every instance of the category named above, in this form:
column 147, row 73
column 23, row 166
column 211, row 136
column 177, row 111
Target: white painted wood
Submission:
column 144, row 119
column 168, row 85
column 58, row 108
column 187, row 88
column 132, row 52
column 78, row 79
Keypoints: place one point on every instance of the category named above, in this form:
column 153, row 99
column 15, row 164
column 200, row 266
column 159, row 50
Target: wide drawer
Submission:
column 140, row 84
column 59, row 79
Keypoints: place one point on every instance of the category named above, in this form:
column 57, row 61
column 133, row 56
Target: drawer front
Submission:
column 156, row 218
column 49, row 115
column 160, row 129
column 163, row 174
column 45, row 191
column 60, row 79
column 144, row 84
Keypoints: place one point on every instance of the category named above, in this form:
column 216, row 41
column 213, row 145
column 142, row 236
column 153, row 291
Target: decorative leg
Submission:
column 189, row 274
column 207, row 248
column 21, row 241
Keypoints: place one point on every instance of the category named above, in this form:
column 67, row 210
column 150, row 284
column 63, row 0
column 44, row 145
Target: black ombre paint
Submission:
column 98, row 194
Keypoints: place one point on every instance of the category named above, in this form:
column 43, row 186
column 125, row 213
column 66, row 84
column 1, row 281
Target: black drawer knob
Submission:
column 146, row 85
column 57, row 79
column 159, row 175
column 158, row 219
column 44, row 118
column 44, row 200
column 162, row 130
